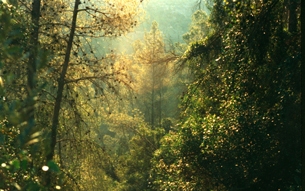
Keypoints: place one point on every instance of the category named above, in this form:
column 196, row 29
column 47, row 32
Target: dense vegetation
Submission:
column 220, row 111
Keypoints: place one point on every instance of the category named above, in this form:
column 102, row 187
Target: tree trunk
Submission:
column 292, row 16
column 61, row 83
column 31, row 74
column 160, row 109
column 153, row 97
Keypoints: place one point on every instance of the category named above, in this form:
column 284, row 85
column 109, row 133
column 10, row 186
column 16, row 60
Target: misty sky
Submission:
column 173, row 17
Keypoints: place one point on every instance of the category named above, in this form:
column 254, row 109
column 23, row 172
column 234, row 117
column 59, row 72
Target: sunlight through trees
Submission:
column 212, row 106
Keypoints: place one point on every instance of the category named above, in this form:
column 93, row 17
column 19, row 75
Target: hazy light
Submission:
column 45, row 168
column 57, row 187
column 3, row 165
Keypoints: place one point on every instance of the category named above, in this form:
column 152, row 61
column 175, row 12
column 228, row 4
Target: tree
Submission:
column 18, row 133
column 61, row 40
column 236, row 133
column 109, row 22
column 155, row 74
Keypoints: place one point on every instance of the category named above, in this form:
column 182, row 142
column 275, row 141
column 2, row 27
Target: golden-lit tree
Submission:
column 154, row 73
column 68, row 75
column 82, row 69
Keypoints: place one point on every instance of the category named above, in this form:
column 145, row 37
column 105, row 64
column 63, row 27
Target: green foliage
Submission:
column 200, row 27
column 241, row 119
column 130, row 143
column 19, row 139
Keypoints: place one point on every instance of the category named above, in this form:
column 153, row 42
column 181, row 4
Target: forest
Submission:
column 144, row 95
